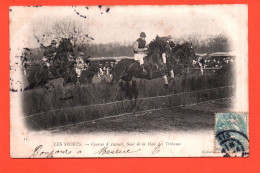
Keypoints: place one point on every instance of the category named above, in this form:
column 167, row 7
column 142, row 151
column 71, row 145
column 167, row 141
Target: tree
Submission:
column 65, row 29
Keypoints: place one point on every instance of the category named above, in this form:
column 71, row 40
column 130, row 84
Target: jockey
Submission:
column 168, row 53
column 49, row 53
column 24, row 59
column 100, row 71
column 201, row 63
column 80, row 64
column 140, row 49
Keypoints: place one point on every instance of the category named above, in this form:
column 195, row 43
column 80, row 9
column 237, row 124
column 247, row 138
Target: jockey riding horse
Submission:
column 61, row 59
column 55, row 63
column 162, row 57
column 140, row 49
column 148, row 62
column 145, row 66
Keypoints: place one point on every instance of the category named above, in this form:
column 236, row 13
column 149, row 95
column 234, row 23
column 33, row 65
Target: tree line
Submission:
column 218, row 43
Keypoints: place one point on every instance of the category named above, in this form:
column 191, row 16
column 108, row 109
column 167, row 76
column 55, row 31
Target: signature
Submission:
column 106, row 150
column 38, row 152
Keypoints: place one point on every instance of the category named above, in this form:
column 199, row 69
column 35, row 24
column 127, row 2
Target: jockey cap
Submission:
column 142, row 34
column 169, row 37
column 53, row 42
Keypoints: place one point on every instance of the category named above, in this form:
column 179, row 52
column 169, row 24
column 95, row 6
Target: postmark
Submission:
column 231, row 134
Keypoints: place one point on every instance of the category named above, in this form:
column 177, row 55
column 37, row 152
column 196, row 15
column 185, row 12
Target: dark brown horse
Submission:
column 86, row 76
column 126, row 69
column 180, row 58
column 61, row 59
column 39, row 74
column 176, row 56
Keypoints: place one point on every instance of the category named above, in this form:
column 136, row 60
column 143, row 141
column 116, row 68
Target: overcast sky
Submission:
column 124, row 23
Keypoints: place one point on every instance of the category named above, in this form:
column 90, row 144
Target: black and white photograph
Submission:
column 129, row 81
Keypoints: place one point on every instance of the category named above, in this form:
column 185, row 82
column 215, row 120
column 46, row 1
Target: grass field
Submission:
column 196, row 117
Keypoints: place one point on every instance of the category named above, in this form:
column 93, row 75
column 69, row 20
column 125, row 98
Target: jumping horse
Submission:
column 162, row 57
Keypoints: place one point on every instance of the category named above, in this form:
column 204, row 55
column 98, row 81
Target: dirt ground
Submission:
column 195, row 117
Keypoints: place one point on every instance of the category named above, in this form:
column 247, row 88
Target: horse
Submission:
column 86, row 76
column 127, row 69
column 39, row 74
column 180, row 58
column 154, row 62
column 161, row 52
column 61, row 59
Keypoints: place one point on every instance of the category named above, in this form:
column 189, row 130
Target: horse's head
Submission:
column 171, row 44
column 159, row 45
column 189, row 50
column 65, row 46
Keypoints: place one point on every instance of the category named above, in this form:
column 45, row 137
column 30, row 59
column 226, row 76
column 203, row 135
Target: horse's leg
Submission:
column 201, row 70
column 127, row 90
column 66, row 77
column 31, row 79
column 135, row 92
column 130, row 93
column 90, row 78
column 132, row 103
column 73, row 78
column 78, row 72
column 170, row 66
column 112, row 81
column 38, row 79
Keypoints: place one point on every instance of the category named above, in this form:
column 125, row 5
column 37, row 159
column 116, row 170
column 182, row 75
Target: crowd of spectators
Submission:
column 213, row 62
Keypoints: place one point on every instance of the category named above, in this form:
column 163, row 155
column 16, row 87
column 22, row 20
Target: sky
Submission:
column 123, row 24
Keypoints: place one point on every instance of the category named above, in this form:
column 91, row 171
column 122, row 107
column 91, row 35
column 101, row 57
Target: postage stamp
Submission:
column 231, row 130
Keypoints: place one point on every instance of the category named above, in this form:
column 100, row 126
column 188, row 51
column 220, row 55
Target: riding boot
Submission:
column 144, row 71
column 164, row 66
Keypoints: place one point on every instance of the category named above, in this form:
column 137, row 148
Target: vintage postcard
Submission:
column 129, row 81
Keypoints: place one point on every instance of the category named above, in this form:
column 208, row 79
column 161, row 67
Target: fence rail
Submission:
column 72, row 115
column 206, row 68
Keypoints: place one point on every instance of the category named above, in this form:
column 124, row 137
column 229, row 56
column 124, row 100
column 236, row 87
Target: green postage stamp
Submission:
column 232, row 137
